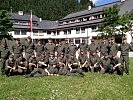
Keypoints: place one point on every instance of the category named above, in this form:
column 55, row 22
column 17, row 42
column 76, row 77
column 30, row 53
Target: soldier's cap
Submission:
column 11, row 56
column 51, row 53
column 72, row 54
column 93, row 52
column 92, row 40
column 17, row 39
column 32, row 54
column 109, row 39
column 105, row 54
column 28, row 37
column 49, row 38
column 81, row 50
column 62, row 53
column 124, row 38
column 104, row 38
column 112, row 38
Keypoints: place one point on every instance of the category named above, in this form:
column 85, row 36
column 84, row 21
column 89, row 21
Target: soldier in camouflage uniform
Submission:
column 83, row 46
column 103, row 48
column 50, row 47
column 17, row 48
column 125, row 48
column 72, row 48
column 94, row 60
column 41, row 69
column 32, row 63
column 66, row 47
column 62, row 64
column 10, row 68
column 83, row 61
column 4, row 55
column 53, row 62
column 60, row 48
column 113, row 47
column 93, row 46
column 21, row 65
column 39, row 48
column 29, row 48
column 116, row 65
column 105, row 64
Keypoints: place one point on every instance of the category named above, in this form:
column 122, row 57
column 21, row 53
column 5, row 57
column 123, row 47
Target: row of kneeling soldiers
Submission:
column 50, row 65
column 55, row 59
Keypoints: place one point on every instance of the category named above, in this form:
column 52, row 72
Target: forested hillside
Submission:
column 46, row 9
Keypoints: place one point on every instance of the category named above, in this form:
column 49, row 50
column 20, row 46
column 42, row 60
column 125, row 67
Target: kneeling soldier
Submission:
column 21, row 65
column 32, row 62
column 116, row 65
column 94, row 60
column 53, row 68
column 105, row 64
column 10, row 68
column 41, row 69
column 83, row 61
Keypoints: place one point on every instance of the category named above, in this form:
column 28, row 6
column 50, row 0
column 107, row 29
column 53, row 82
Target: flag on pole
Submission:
column 31, row 22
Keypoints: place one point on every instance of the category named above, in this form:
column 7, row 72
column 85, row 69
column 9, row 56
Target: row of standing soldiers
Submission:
column 60, row 59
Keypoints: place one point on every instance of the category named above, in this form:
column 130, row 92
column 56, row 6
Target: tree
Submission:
column 110, row 22
column 126, row 24
column 5, row 23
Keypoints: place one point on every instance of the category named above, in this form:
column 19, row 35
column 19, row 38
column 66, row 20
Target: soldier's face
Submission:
column 33, row 56
column 125, row 41
column 106, row 56
column 11, row 58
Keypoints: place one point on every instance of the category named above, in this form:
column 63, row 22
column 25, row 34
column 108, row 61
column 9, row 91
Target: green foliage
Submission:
column 111, row 20
column 5, row 23
column 46, row 9
column 93, row 86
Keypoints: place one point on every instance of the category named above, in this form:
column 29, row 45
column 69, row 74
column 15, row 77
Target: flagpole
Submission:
column 31, row 30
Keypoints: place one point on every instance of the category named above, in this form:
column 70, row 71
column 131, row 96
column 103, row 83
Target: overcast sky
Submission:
column 101, row 2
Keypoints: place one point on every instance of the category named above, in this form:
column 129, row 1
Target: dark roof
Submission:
column 127, row 6
column 93, row 10
column 88, row 23
column 24, row 17
column 46, row 24
column 24, row 27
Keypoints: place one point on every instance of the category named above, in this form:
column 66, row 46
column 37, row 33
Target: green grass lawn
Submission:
column 93, row 86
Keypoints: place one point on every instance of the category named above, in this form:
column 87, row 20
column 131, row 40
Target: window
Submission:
column 82, row 29
column 17, row 32
column 69, row 31
column 94, row 28
column 23, row 32
column 77, row 41
column 65, row 32
column 48, row 32
column 77, row 30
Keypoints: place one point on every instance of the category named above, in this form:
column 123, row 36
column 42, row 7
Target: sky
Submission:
column 101, row 2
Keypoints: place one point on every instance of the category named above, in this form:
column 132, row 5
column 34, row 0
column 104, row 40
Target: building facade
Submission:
column 77, row 26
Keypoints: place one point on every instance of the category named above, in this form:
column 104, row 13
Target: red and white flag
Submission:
column 31, row 22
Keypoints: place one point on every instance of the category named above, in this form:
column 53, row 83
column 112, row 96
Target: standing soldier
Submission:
column 29, row 47
column 93, row 46
column 94, row 61
column 50, row 47
column 60, row 48
column 105, row 64
column 39, row 48
column 113, row 48
column 103, row 48
column 72, row 48
column 116, row 65
column 125, row 48
column 83, row 61
column 83, row 46
column 66, row 47
column 10, row 68
column 17, row 48
column 4, row 55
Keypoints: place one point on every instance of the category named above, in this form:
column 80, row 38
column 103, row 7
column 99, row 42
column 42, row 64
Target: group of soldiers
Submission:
column 61, row 59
